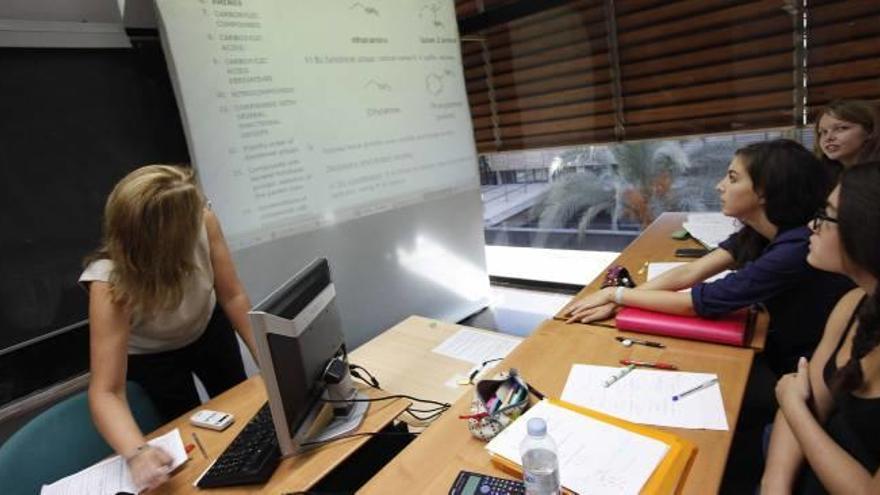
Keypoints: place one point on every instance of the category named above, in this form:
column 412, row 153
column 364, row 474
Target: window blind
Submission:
column 596, row 71
column 843, row 50
column 542, row 80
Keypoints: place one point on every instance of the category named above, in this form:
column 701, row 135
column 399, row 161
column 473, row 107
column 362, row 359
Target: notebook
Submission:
column 598, row 453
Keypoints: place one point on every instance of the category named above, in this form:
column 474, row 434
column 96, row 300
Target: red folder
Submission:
column 730, row 329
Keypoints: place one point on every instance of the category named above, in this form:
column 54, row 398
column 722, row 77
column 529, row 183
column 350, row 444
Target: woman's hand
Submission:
column 597, row 306
column 794, row 389
column 149, row 468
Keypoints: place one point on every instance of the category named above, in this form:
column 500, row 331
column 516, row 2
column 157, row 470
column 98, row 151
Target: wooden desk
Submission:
column 656, row 244
column 431, row 462
column 402, row 361
column 297, row 473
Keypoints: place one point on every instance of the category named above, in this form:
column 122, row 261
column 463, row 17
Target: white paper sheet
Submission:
column 112, row 475
column 476, row 347
column 710, row 228
column 645, row 396
column 594, row 457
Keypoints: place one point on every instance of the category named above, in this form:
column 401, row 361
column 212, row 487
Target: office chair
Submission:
column 63, row 440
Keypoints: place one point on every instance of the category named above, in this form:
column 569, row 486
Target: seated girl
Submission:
column 847, row 133
column 829, row 409
column 773, row 188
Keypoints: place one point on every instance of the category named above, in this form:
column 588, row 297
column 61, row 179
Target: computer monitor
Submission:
column 298, row 333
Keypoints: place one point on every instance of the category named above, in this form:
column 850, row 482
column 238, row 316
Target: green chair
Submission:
column 63, row 440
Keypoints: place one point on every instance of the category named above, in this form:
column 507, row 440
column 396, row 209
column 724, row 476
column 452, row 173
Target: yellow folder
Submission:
column 669, row 475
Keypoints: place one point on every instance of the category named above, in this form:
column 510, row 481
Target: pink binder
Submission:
column 731, row 329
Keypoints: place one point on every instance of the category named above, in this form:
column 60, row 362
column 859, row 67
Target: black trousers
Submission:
column 167, row 376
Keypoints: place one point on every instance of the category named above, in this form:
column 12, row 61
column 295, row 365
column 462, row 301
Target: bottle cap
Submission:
column 537, row 427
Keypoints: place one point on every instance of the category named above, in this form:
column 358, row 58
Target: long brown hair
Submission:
column 151, row 225
column 859, row 225
column 793, row 186
column 863, row 113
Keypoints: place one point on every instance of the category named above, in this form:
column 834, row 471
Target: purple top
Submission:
column 798, row 297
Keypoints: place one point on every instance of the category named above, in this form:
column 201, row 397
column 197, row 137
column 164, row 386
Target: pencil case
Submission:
column 496, row 404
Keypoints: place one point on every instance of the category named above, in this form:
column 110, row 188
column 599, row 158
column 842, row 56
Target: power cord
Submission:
column 390, row 397
column 423, row 415
column 363, row 434
column 372, row 381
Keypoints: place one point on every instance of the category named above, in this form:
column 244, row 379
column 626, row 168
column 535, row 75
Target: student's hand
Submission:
column 597, row 306
column 794, row 388
column 150, row 468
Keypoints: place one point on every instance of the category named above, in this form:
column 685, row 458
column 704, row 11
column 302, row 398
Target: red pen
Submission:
column 189, row 448
column 647, row 364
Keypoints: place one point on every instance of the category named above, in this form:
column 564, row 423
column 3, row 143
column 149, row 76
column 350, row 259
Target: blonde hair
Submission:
column 151, row 226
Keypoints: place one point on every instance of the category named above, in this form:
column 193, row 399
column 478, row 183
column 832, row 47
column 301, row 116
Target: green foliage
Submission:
column 641, row 170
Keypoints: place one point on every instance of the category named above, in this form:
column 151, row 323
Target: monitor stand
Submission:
column 340, row 425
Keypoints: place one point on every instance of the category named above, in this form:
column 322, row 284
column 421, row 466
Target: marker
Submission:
column 629, row 341
column 617, row 376
column 699, row 387
column 646, row 364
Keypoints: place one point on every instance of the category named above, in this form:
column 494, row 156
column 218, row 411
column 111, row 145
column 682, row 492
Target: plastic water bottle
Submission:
column 539, row 461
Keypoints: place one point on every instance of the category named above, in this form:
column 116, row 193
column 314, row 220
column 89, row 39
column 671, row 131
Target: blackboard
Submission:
column 74, row 121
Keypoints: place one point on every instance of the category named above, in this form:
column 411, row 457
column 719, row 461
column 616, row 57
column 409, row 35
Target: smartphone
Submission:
column 691, row 252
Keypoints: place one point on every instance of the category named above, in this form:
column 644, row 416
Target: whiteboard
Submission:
column 337, row 129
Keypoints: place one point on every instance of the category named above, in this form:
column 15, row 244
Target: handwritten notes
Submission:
column 645, row 396
column 594, row 457
column 112, row 475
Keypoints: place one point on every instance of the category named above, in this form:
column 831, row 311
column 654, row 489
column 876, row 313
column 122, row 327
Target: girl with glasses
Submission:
column 826, row 437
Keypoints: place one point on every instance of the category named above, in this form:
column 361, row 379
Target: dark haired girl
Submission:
column 773, row 188
column 829, row 409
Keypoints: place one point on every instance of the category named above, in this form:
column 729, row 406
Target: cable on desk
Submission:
column 433, row 409
column 389, row 397
column 364, row 434
column 373, row 382
column 429, row 417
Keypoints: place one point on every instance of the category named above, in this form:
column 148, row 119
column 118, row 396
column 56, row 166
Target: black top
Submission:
column 854, row 423
column 798, row 297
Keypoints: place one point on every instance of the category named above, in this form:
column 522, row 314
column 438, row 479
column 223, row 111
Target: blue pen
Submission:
column 699, row 387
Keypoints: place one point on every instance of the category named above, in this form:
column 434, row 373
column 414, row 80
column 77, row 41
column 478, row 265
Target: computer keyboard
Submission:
column 250, row 459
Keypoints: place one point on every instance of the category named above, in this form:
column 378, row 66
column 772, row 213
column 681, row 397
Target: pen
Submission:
column 199, row 443
column 617, row 376
column 630, row 341
column 647, row 364
column 699, row 387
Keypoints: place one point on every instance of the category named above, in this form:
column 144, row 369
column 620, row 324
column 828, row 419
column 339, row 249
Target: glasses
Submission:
column 820, row 217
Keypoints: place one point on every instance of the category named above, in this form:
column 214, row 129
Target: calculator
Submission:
column 468, row 483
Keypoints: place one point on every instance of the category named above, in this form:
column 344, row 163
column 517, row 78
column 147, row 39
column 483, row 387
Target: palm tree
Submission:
column 635, row 180
column 580, row 196
column 648, row 170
